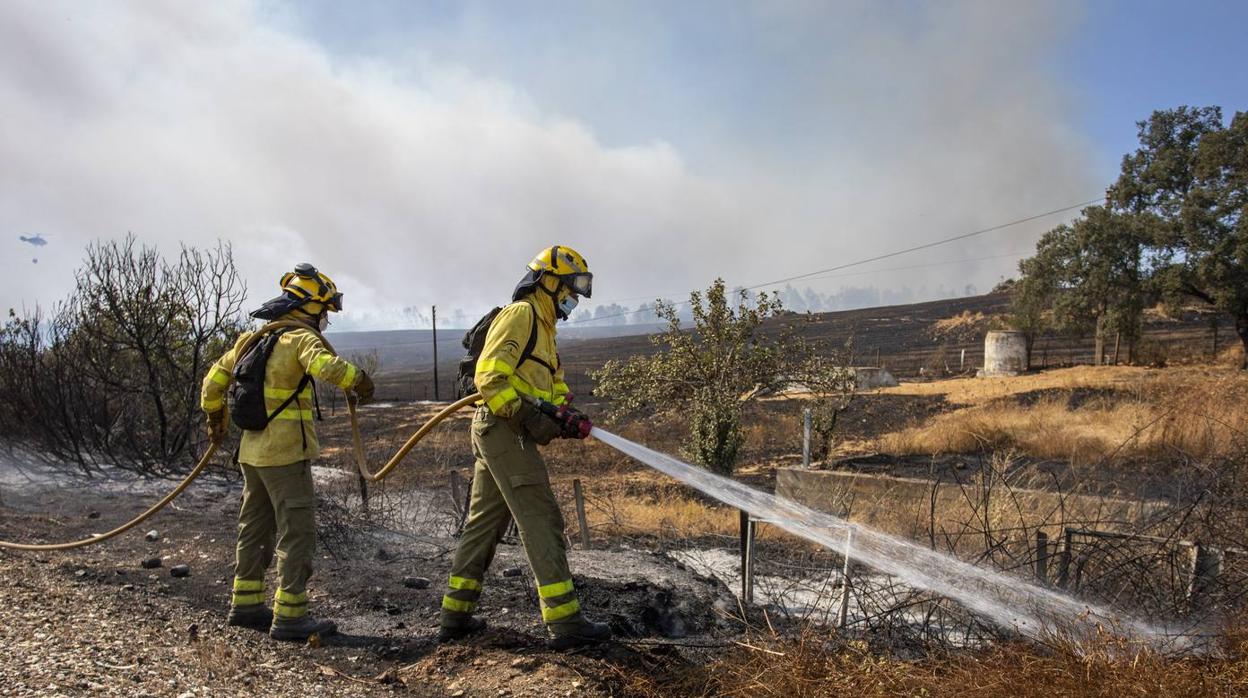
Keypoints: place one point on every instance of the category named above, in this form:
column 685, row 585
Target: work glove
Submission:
column 217, row 427
column 531, row 420
column 574, row 423
column 363, row 389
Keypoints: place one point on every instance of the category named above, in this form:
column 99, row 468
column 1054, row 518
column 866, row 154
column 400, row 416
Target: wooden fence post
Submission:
column 580, row 513
column 458, row 506
column 1206, row 567
column 1063, row 563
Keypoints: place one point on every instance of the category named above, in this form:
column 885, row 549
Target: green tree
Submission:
column 1085, row 277
column 707, row 373
column 1187, row 186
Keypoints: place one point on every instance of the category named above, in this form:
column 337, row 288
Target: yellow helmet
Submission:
column 568, row 265
column 308, row 285
column 301, row 288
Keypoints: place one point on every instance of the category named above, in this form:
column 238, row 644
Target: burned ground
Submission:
column 96, row 621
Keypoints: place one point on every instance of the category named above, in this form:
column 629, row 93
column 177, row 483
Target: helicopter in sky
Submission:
column 34, row 241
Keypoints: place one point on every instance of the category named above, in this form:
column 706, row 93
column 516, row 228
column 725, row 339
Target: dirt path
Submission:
column 95, row 621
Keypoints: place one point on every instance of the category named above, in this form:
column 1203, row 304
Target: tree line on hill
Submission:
column 1172, row 230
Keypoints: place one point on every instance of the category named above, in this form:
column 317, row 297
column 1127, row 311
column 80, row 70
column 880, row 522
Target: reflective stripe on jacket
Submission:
column 296, row 353
column 499, row 378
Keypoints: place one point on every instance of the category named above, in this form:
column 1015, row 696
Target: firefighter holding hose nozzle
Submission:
column 524, row 405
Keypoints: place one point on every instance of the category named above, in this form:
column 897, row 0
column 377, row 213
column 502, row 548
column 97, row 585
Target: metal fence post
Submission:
column 748, row 581
column 842, row 611
column 806, row 424
column 747, row 592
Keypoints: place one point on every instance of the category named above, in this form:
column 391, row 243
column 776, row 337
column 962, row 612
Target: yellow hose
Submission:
column 415, row 438
column 215, row 446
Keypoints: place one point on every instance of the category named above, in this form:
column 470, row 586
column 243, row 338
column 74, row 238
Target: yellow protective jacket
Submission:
column 297, row 352
column 501, row 377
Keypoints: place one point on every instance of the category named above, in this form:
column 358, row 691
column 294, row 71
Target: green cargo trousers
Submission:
column 278, row 514
column 510, row 477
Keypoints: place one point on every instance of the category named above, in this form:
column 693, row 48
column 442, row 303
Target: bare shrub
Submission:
column 114, row 372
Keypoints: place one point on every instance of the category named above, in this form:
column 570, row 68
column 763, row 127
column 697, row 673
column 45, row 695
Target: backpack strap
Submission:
column 532, row 344
column 303, row 383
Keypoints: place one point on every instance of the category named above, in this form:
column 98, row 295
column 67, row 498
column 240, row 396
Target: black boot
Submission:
column 301, row 628
column 447, row 633
column 566, row 635
column 257, row 617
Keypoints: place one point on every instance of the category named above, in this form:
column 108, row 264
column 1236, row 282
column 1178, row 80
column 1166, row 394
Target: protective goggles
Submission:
column 582, row 284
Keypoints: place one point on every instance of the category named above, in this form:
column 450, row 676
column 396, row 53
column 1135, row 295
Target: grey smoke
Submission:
column 801, row 136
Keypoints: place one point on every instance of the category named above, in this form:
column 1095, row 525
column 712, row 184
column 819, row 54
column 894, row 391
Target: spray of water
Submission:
column 1007, row 601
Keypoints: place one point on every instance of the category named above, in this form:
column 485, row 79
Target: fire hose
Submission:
column 214, row 446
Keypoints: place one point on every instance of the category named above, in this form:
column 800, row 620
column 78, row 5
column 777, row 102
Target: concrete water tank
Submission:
column 1005, row 353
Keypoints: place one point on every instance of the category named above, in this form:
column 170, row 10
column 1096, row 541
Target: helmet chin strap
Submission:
column 554, row 296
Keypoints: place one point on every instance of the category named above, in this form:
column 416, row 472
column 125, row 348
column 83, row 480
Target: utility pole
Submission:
column 436, row 398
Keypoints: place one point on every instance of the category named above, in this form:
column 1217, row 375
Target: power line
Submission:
column 868, row 260
column 820, row 273
column 930, row 245
column 947, row 262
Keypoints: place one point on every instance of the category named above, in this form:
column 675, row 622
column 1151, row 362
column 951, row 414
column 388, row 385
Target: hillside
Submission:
column 910, row 340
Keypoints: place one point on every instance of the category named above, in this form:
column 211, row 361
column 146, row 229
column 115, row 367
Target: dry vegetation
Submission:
column 1084, row 415
column 961, row 325
column 813, row 665
column 1117, row 417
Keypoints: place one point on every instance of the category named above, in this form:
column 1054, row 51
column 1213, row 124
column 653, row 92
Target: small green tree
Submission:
column 831, row 384
column 709, row 372
column 1085, row 277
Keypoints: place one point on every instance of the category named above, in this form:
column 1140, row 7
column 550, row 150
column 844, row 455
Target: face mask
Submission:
column 324, row 322
column 567, row 305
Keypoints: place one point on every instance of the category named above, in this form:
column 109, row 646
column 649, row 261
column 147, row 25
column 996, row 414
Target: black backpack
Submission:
column 474, row 342
column 246, row 398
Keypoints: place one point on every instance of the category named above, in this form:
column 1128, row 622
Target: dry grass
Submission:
column 1046, row 430
column 1084, row 415
column 959, row 325
column 814, row 665
column 976, row 391
column 650, row 505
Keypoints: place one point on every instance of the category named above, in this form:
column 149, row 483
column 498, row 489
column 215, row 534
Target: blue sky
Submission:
column 1121, row 58
column 1129, row 57
column 671, row 143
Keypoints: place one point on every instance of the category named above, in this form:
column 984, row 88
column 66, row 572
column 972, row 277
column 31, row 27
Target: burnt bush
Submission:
column 112, row 374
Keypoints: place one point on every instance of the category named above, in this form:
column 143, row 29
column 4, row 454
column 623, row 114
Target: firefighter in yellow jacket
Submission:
column 278, row 508
column 524, row 406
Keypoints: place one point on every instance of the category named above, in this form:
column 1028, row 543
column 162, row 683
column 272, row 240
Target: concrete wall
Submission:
column 902, row 506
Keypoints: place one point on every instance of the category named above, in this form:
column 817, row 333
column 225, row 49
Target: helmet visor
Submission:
column 582, row 284
column 335, row 303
